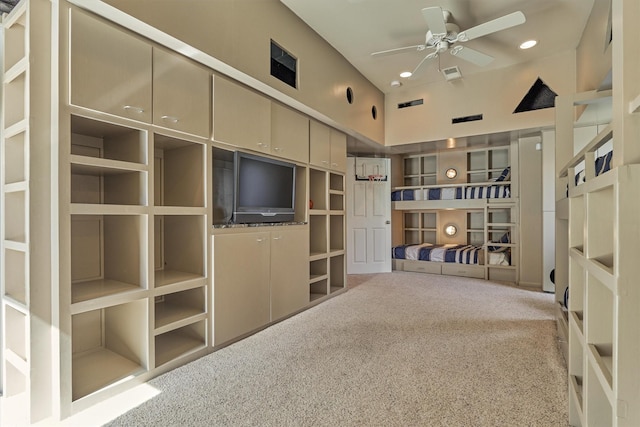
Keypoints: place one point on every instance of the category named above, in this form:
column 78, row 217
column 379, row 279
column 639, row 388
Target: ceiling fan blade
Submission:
column 417, row 71
column 499, row 24
column 416, row 48
column 435, row 20
column 471, row 55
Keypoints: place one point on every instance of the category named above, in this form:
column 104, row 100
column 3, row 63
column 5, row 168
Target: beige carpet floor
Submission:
column 397, row 349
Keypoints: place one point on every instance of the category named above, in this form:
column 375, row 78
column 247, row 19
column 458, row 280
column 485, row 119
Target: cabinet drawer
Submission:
column 462, row 270
column 422, row 266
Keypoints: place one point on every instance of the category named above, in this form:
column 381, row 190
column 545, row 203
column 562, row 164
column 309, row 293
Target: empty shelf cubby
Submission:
column 180, row 342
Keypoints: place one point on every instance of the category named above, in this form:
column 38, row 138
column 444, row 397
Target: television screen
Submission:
column 264, row 189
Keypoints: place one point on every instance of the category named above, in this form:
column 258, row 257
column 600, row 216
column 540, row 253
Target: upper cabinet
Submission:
column 247, row 119
column 103, row 56
column 241, row 117
column 181, row 94
column 289, row 134
column 146, row 84
column 327, row 147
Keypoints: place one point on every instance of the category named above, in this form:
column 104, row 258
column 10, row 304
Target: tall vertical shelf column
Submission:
column 327, row 267
column 25, row 237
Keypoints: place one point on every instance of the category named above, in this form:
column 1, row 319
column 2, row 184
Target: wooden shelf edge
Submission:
column 16, row 305
column 16, row 128
column 602, row 373
column 318, row 278
column 16, row 70
column 179, row 323
column 603, row 273
column 15, row 15
column 576, row 394
column 576, row 323
column 91, row 209
column 634, row 105
column 100, row 163
column 16, row 361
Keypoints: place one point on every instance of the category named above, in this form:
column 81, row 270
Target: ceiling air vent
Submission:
column 452, row 73
column 465, row 119
column 539, row 96
column 411, row 103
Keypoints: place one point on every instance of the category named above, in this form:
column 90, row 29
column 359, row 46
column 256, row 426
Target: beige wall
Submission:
column 593, row 55
column 238, row 33
column 495, row 95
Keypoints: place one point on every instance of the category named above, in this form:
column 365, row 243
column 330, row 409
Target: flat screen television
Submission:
column 264, row 189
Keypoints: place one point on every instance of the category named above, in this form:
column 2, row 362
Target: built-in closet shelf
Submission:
column 603, row 373
column 93, row 289
column 174, row 277
column 634, row 105
column 96, row 369
column 15, row 187
column 603, row 136
column 179, row 210
column 19, row 363
column 171, row 317
column 317, row 278
column 96, row 166
column 575, row 321
column 178, row 343
column 314, row 256
column 575, row 383
column 16, row 70
column 16, row 128
column 100, row 209
column 603, row 273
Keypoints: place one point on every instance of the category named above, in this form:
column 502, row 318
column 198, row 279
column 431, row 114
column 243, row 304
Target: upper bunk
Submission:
column 470, row 179
column 590, row 159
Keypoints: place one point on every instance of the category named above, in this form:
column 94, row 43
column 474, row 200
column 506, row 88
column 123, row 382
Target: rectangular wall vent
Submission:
column 464, row 119
column 410, row 103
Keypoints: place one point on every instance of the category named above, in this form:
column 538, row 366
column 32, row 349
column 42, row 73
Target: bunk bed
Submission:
column 483, row 209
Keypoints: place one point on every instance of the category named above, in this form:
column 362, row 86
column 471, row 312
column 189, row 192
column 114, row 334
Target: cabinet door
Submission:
column 110, row 69
column 241, row 117
column 338, row 151
column 319, row 144
column 181, row 94
column 289, row 271
column 289, row 134
column 240, row 284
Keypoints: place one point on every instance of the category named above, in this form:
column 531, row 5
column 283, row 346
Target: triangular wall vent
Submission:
column 539, row 96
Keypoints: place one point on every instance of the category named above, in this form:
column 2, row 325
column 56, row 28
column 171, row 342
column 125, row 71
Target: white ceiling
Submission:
column 356, row 28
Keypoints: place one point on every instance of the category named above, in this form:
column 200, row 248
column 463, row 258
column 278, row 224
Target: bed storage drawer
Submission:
column 462, row 270
column 422, row 267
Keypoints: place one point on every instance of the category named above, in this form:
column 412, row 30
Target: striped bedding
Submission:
column 498, row 191
column 460, row 254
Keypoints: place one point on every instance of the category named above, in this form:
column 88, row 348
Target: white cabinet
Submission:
column 327, row 147
column 181, row 94
column 241, row 117
column 110, row 69
column 258, row 277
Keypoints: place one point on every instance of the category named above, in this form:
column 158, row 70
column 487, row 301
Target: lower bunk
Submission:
column 455, row 260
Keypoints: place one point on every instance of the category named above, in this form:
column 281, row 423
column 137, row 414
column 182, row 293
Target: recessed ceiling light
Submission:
column 528, row 44
column 405, row 74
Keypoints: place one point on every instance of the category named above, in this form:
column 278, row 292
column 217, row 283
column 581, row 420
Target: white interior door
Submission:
column 368, row 219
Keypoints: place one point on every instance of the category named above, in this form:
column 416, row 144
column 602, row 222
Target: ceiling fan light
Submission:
column 528, row 44
column 406, row 74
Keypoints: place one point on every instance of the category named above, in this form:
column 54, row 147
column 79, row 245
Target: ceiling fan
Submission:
column 444, row 35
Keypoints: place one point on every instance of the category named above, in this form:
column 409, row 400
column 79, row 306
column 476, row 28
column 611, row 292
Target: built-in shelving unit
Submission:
column 486, row 165
column 599, row 323
column 327, row 267
column 420, row 170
